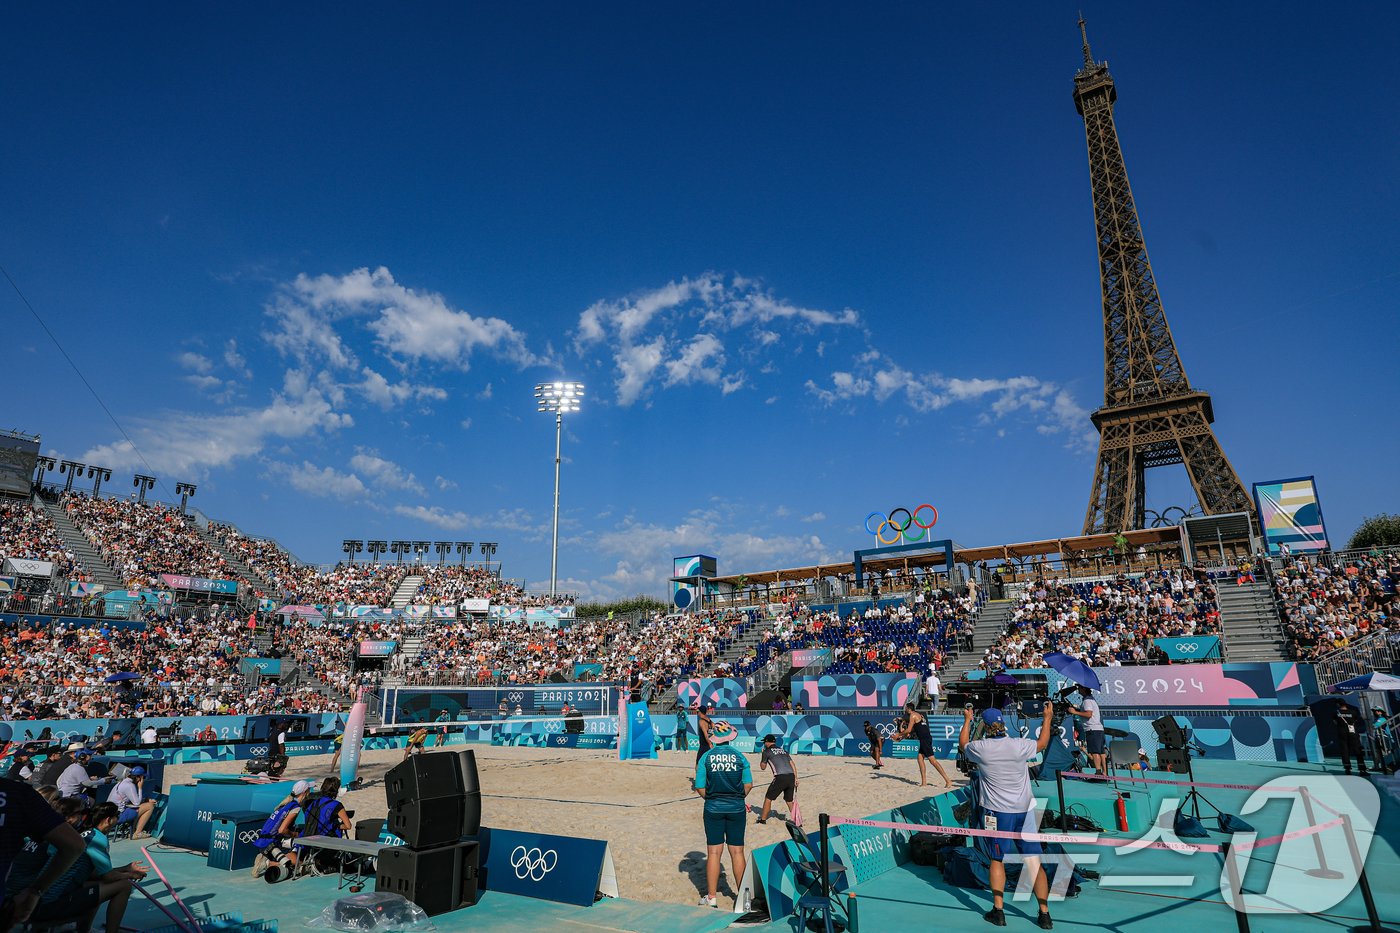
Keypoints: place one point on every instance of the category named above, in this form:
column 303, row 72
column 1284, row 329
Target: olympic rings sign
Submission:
column 899, row 521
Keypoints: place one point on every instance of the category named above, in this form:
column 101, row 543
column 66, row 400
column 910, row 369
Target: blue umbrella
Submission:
column 1372, row 681
column 1073, row 669
column 118, row 678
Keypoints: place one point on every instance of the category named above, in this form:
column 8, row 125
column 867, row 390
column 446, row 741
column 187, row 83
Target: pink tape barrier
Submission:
column 171, row 888
column 1069, row 839
column 1134, row 779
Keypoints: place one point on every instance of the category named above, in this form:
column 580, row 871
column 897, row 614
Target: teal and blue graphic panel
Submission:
column 414, row 704
column 1290, row 513
column 854, row 691
column 724, row 692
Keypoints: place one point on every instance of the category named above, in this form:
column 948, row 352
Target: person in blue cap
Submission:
column 129, row 797
column 1004, row 793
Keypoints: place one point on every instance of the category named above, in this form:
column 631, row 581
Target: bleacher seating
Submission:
column 1105, row 622
column 1329, row 605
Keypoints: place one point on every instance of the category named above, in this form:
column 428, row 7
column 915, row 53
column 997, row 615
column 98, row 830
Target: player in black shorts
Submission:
column 916, row 724
column 877, row 742
column 784, row 778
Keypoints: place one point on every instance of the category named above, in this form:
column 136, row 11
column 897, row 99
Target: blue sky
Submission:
column 811, row 261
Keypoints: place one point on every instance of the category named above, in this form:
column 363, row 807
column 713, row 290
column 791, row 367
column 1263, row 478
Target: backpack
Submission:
column 967, row 868
column 931, row 848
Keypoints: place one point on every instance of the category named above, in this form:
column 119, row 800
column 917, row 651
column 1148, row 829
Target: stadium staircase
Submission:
column 406, row 591
column 1249, row 623
column 991, row 622
column 241, row 570
column 77, row 542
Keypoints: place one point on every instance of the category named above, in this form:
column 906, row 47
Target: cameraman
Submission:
column 1095, row 742
column 1004, row 794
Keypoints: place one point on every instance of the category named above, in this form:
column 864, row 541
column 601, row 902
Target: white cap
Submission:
column 75, row 747
column 300, row 787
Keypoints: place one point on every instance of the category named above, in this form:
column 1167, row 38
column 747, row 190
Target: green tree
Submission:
column 1381, row 530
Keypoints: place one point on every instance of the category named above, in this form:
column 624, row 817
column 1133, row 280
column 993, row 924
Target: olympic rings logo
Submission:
column 257, row 751
column 249, row 836
column 533, row 863
column 553, row 725
column 1188, row 647
column 900, row 521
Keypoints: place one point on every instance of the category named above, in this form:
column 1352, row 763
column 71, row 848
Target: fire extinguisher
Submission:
column 1121, row 809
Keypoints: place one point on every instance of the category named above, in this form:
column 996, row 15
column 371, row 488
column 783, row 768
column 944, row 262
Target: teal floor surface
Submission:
column 907, row 898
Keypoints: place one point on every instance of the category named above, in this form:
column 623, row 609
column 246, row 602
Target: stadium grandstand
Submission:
column 1108, row 599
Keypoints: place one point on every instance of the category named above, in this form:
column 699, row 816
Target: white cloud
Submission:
column 195, row 362
column 641, row 552
column 325, row 482
column 383, row 473
column 465, row 424
column 386, row 394
column 815, row 517
column 443, row 483
column 1046, row 403
column 435, row 515
column 190, row 443
column 408, row 325
column 235, row 360
column 675, row 334
column 701, row 360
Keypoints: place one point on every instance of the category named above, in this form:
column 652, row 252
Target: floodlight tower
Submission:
column 558, row 398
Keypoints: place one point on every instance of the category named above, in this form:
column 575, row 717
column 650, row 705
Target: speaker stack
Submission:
column 434, row 801
column 1173, row 756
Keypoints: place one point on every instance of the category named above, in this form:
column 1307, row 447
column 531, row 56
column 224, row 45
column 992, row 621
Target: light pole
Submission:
column 557, row 397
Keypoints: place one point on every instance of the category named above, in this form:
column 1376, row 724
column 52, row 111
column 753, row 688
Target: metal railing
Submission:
column 1377, row 652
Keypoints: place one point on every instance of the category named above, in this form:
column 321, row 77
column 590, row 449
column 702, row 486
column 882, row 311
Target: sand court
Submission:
column 645, row 809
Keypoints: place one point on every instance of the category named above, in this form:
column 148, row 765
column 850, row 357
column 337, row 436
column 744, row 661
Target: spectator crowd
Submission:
column 1326, row 608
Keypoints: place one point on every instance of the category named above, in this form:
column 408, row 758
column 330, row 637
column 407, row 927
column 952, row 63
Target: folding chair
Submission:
column 812, row 905
column 1123, row 753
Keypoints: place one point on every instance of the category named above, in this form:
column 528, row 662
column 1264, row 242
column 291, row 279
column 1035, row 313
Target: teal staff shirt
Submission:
column 722, row 773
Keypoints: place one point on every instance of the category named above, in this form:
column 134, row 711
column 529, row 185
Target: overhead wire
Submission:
column 101, row 404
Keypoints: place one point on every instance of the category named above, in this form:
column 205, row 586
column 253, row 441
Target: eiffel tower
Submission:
column 1151, row 416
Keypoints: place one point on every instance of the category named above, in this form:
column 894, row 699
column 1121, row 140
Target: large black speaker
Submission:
column 1169, row 732
column 763, row 699
column 422, row 776
column 466, row 769
column 437, row 879
column 367, row 830
column 1175, row 760
column 436, row 821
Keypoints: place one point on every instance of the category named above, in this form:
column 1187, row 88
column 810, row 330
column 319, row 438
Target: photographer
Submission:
column 1004, row 794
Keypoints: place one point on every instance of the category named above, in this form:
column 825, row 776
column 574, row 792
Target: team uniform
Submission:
column 722, row 773
column 784, row 775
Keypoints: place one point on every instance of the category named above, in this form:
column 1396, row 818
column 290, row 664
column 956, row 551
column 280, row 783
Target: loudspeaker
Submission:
column 1169, row 732
column 436, row 821
column 466, row 771
column 438, row 879
column 1174, row 760
column 367, row 830
column 558, row 678
column 422, row 776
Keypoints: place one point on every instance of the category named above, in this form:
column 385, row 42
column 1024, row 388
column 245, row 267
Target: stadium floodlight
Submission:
column 557, row 398
column 184, row 491
column 463, row 549
column 488, row 549
column 74, row 469
column 351, row 547
column 442, row 548
column 143, row 484
column 98, row 475
column 400, row 548
column 376, row 548
column 41, row 466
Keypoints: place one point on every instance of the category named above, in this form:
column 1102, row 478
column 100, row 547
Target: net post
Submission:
column 1232, row 875
column 1373, row 924
column 823, row 824
column 1060, row 786
column 1321, row 871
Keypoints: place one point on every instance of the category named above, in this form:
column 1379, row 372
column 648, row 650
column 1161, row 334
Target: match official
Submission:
column 723, row 778
column 1004, row 793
